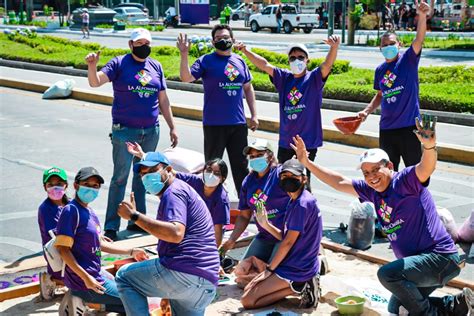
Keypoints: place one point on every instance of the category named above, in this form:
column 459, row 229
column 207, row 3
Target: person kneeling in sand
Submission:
column 295, row 266
column 427, row 257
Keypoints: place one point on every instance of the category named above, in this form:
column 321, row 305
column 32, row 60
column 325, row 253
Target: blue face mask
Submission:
column 86, row 194
column 258, row 164
column 152, row 182
column 390, row 51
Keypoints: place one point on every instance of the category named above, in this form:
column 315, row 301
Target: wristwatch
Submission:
column 134, row 217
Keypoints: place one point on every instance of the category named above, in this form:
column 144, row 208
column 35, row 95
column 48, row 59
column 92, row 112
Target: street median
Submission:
column 446, row 152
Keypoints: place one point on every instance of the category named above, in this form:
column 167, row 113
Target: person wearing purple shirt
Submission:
column 80, row 245
column 427, row 257
column 300, row 93
column 139, row 87
column 295, row 266
column 396, row 82
column 186, row 270
column 260, row 187
column 55, row 184
column 226, row 79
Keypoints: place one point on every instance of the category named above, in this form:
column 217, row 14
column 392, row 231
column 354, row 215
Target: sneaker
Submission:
column 464, row 303
column 112, row 234
column 311, row 293
column 47, row 286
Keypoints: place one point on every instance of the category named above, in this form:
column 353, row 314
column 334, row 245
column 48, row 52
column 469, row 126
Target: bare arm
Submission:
column 259, row 61
column 284, row 248
column 251, row 102
column 218, row 232
column 372, row 106
column 184, row 71
column 427, row 136
column 423, row 9
column 333, row 42
column 165, row 109
column 241, row 224
column 95, row 78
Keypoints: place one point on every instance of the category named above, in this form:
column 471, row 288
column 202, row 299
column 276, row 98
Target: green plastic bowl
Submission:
column 350, row 309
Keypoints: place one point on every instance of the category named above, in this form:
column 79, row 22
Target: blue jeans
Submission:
column 412, row 279
column 110, row 298
column 188, row 294
column 262, row 249
column 279, row 25
column 122, row 159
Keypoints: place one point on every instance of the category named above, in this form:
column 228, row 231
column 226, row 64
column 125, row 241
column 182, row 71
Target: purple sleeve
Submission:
column 411, row 57
column 363, row 190
column 278, row 78
column 409, row 183
column 377, row 79
column 162, row 78
column 175, row 208
column 221, row 213
column 111, row 69
column 67, row 222
column 197, row 69
column 317, row 76
column 248, row 75
column 243, row 203
column 296, row 218
column 191, row 179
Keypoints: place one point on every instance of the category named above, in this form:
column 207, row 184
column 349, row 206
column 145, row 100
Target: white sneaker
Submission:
column 47, row 286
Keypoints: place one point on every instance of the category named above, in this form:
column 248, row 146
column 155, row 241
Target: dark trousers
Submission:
column 401, row 142
column 285, row 154
column 217, row 138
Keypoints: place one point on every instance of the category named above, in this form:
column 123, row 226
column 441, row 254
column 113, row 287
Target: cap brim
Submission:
column 136, row 167
column 101, row 180
column 293, row 171
column 54, row 174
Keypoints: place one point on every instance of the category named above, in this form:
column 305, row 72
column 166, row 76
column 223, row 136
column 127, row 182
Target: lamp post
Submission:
column 331, row 18
column 22, row 8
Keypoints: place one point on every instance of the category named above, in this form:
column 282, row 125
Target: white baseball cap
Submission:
column 140, row 33
column 372, row 155
column 258, row 144
column 301, row 47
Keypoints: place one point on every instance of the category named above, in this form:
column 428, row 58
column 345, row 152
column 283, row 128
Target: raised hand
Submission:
column 300, row 149
column 422, row 7
column 333, row 41
column 135, row 149
column 183, row 44
column 92, row 58
column 425, row 130
column 240, row 46
column 261, row 213
column 126, row 209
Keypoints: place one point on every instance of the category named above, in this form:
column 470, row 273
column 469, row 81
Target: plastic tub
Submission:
column 347, row 125
column 345, row 308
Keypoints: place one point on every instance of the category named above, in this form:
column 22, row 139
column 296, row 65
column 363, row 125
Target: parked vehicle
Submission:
column 238, row 12
column 291, row 19
column 131, row 15
column 133, row 4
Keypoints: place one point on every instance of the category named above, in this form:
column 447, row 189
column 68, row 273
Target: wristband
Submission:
column 270, row 270
column 134, row 217
column 434, row 147
column 131, row 251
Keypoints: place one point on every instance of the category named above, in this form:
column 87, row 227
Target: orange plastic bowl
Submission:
column 120, row 263
column 347, row 125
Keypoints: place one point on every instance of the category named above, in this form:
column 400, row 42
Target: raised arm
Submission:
column 165, row 109
column 423, row 9
column 259, row 61
column 333, row 41
column 427, row 136
column 330, row 177
column 183, row 45
column 95, row 78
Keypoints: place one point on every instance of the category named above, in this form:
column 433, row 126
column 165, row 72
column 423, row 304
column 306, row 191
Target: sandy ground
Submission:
column 348, row 275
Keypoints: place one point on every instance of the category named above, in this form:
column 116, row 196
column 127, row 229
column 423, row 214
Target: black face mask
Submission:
column 141, row 52
column 223, row 44
column 290, row 184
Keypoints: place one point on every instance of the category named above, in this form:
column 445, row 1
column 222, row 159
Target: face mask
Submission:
column 86, row 194
column 289, row 184
column 210, row 179
column 297, row 66
column 152, row 182
column 223, row 44
column 141, row 52
column 390, row 52
column 258, row 164
column 56, row 193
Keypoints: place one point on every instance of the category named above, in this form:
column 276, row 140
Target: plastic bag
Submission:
column 466, row 232
column 448, row 221
column 361, row 228
column 184, row 160
column 60, row 89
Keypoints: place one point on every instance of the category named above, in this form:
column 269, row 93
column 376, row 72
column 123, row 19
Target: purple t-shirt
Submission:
column 301, row 263
column 407, row 213
column 136, row 87
column 86, row 247
column 265, row 189
column 398, row 82
column 223, row 78
column 197, row 253
column 48, row 215
column 300, row 106
column 218, row 203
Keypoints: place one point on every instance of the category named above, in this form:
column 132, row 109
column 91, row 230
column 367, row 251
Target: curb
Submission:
column 446, row 152
column 329, row 104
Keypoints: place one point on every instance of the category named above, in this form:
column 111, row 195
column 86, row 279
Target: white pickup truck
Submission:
column 291, row 19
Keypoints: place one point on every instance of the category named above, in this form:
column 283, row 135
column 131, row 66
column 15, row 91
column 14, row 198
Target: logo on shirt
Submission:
column 385, row 212
column 388, row 79
column 143, row 77
column 96, row 251
column 294, row 96
column 231, row 72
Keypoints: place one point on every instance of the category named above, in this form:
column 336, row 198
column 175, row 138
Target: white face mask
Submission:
column 210, row 179
column 297, row 66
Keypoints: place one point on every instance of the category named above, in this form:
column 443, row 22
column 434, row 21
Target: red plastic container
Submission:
column 120, row 263
column 347, row 125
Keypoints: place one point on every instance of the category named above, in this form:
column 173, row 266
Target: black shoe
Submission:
column 135, row 228
column 112, row 234
column 311, row 293
column 464, row 303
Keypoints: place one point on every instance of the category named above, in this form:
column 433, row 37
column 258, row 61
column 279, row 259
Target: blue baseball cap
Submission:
column 151, row 159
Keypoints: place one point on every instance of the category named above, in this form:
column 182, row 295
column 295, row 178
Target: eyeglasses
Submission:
column 293, row 58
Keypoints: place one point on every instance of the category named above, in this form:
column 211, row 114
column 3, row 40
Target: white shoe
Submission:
column 72, row 306
column 47, row 286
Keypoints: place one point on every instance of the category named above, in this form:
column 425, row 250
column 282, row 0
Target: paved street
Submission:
column 37, row 134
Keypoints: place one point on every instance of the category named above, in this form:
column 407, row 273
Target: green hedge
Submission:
column 441, row 88
column 451, row 42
